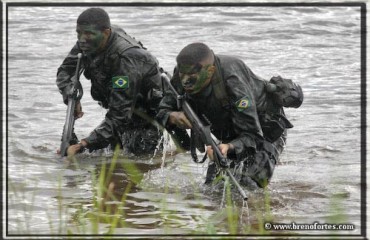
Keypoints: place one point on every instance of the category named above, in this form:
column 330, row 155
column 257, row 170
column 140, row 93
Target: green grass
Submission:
column 106, row 214
column 104, row 218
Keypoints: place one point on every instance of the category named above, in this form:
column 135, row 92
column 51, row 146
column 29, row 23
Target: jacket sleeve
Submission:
column 66, row 71
column 137, row 69
column 244, row 111
column 168, row 104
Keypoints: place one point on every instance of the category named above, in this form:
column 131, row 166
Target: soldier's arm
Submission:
column 126, row 82
column 168, row 105
column 244, row 116
column 66, row 71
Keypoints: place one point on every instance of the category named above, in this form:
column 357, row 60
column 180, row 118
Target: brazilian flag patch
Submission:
column 243, row 104
column 120, row 82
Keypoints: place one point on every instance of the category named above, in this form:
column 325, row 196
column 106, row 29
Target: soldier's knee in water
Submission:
column 262, row 169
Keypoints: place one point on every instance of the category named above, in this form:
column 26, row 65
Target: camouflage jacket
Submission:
column 239, row 122
column 125, row 79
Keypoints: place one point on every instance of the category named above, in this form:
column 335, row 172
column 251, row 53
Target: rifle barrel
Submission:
column 68, row 127
column 240, row 189
column 70, row 118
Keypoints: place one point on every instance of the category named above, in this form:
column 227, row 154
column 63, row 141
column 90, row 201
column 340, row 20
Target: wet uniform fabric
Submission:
column 125, row 79
column 238, row 122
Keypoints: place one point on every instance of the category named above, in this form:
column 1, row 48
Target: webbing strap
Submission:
column 219, row 85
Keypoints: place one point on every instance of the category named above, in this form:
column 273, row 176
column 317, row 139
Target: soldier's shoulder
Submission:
column 228, row 59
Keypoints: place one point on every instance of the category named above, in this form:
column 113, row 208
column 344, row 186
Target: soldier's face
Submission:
column 90, row 39
column 195, row 77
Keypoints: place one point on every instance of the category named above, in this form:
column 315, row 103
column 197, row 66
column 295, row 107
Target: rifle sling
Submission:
column 218, row 85
column 193, row 149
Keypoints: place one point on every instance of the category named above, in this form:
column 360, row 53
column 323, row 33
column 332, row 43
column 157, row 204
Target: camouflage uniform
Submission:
column 125, row 79
column 249, row 117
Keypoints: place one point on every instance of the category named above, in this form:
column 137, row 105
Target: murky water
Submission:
column 318, row 179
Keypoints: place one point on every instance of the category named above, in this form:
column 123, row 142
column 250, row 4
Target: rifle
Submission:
column 75, row 95
column 204, row 132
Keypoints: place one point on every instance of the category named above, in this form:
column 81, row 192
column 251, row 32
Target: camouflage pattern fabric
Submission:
column 254, row 156
column 125, row 78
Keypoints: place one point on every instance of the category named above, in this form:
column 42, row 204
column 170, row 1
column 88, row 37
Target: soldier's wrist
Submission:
column 172, row 118
column 231, row 149
column 81, row 148
column 83, row 143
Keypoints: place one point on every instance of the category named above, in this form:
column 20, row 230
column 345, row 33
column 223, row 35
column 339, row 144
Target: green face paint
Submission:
column 202, row 78
column 195, row 77
column 90, row 39
column 190, row 69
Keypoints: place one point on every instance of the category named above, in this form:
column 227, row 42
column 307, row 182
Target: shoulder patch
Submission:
column 120, row 82
column 243, row 104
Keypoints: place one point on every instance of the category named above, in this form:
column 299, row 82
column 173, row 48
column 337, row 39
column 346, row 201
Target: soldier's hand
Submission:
column 224, row 148
column 180, row 120
column 67, row 92
column 73, row 149
column 78, row 110
column 76, row 148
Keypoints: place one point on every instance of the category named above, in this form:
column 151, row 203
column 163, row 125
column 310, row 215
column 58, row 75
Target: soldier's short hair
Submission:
column 94, row 16
column 193, row 53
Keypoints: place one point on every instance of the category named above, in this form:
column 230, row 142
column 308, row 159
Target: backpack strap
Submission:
column 218, row 85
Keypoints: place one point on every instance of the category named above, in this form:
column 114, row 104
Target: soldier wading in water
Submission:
column 246, row 111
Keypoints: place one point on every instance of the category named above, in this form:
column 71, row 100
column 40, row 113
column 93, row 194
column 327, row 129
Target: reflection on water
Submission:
column 319, row 175
column 138, row 195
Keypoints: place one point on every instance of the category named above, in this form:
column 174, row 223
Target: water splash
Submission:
column 157, row 148
column 244, row 218
column 166, row 139
column 166, row 146
column 223, row 199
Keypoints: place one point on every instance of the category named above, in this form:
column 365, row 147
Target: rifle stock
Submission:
column 204, row 132
column 76, row 95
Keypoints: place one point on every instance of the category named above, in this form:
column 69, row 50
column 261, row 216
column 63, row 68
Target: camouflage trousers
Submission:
column 254, row 170
column 260, row 167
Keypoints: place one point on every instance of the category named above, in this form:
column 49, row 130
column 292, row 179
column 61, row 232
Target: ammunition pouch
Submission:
column 273, row 125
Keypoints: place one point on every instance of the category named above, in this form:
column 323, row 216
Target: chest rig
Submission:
column 99, row 68
column 272, row 120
